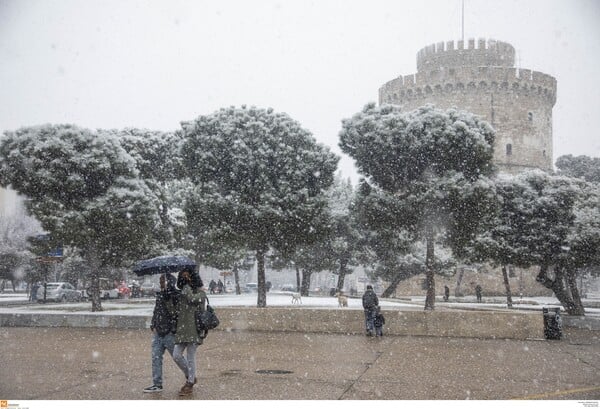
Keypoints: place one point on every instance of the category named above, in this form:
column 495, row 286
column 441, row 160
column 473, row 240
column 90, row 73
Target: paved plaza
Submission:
column 98, row 364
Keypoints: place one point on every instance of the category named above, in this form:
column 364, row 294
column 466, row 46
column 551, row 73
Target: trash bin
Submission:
column 552, row 323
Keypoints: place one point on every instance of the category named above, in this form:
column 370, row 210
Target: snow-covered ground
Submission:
column 16, row 303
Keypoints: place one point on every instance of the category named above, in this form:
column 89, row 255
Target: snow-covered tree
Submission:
column 582, row 167
column 345, row 239
column 155, row 154
column 84, row 189
column 391, row 253
column 433, row 165
column 260, row 174
column 536, row 226
column 15, row 254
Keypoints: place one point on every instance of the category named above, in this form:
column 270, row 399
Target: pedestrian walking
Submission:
column 446, row 293
column 220, row 287
column 212, row 286
column 370, row 303
column 34, row 289
column 163, row 326
column 191, row 299
column 478, row 290
column 379, row 322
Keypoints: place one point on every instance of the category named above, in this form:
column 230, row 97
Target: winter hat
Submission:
column 369, row 287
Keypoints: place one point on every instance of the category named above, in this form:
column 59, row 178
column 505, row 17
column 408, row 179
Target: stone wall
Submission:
column 442, row 323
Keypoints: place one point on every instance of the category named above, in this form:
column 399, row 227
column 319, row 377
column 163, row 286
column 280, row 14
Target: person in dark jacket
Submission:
column 370, row 303
column 163, row 326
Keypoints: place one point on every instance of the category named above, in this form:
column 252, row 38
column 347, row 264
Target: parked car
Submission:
column 288, row 287
column 251, row 287
column 149, row 289
column 108, row 294
column 60, row 292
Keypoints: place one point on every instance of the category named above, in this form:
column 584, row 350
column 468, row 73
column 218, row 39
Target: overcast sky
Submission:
column 152, row 64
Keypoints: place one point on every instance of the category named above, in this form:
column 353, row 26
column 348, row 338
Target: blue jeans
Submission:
column 370, row 320
column 159, row 345
column 189, row 361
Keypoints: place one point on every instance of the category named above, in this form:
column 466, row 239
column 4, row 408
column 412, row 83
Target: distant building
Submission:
column 480, row 77
column 10, row 202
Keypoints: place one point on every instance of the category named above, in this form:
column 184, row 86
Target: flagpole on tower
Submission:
column 463, row 22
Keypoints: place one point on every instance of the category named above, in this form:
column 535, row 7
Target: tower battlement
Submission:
column 489, row 53
column 470, row 79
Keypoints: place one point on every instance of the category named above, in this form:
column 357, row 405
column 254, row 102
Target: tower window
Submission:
column 508, row 149
column 530, row 116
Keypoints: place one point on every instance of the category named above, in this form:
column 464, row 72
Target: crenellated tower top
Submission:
column 480, row 53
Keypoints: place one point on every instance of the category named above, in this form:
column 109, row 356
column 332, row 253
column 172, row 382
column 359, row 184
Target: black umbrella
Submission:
column 164, row 264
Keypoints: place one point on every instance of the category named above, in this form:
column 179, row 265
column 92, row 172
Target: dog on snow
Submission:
column 296, row 298
column 342, row 299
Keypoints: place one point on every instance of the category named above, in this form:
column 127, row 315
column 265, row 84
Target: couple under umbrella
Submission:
column 174, row 317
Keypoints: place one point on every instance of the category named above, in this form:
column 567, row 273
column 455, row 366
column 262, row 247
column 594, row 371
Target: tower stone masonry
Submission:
column 480, row 77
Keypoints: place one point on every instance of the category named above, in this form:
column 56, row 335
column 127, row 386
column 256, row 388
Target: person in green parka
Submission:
column 191, row 299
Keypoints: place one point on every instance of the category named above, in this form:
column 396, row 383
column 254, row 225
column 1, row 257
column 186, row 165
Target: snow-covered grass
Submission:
column 144, row 306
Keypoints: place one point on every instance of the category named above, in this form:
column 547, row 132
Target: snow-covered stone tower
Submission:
column 481, row 78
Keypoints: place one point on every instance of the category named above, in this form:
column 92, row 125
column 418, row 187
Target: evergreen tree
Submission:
column 544, row 221
column 345, row 241
column 582, row 167
column 259, row 177
column 433, row 166
column 84, row 189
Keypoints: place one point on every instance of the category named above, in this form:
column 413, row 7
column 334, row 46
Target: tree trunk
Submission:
column 92, row 258
column 571, row 277
column 392, row 287
column 236, row 278
column 429, row 273
column 507, row 286
column 342, row 276
column 298, row 283
column 558, row 287
column 457, row 292
column 94, row 291
column 305, row 282
column 262, row 287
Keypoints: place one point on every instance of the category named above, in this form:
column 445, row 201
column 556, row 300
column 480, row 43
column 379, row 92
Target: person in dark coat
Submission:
column 163, row 326
column 478, row 292
column 34, row 290
column 370, row 303
column 446, row 293
column 220, row 287
column 212, row 286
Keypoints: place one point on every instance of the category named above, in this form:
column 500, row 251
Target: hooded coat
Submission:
column 189, row 302
column 370, row 300
column 164, row 316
